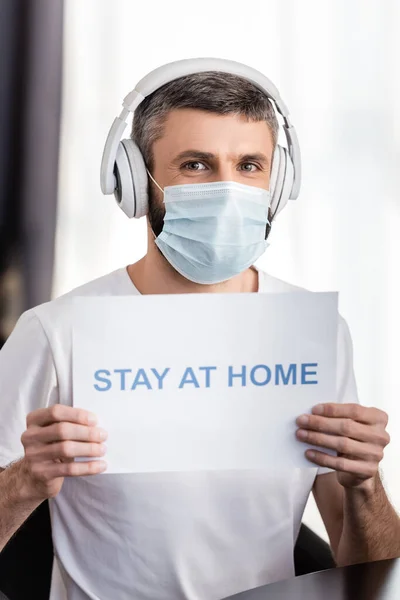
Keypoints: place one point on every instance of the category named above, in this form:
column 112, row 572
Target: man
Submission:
column 200, row 535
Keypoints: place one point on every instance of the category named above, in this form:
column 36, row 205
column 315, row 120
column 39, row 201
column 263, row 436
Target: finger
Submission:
column 345, row 427
column 356, row 412
column 62, row 431
column 66, row 449
column 60, row 412
column 342, row 464
column 74, row 469
column 342, row 445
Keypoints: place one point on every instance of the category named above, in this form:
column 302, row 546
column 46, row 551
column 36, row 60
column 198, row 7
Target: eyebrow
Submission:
column 199, row 155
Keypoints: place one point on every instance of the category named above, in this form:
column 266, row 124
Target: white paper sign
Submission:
column 204, row 381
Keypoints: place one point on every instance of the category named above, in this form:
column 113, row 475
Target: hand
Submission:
column 53, row 438
column 358, row 434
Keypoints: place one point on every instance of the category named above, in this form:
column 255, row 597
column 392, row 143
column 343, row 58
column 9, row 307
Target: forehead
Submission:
column 187, row 128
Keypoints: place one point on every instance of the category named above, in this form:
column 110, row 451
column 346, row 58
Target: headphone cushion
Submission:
column 274, row 172
column 139, row 178
column 287, row 181
column 281, row 183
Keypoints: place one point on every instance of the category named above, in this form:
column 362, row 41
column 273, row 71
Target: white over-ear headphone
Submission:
column 123, row 171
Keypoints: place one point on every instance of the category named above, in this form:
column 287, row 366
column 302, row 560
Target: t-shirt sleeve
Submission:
column 346, row 384
column 27, row 381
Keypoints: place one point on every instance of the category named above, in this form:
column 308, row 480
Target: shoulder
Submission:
column 47, row 326
column 58, row 312
column 270, row 284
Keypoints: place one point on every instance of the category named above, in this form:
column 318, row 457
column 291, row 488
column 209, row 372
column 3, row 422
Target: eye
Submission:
column 251, row 165
column 196, row 162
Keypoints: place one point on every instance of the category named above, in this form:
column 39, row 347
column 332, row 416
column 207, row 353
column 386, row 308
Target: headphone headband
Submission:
column 166, row 73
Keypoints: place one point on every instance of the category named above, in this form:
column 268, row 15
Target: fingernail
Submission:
column 103, row 434
column 103, row 449
column 310, row 454
column 302, row 434
column 92, row 419
column 318, row 410
column 102, row 465
column 303, row 420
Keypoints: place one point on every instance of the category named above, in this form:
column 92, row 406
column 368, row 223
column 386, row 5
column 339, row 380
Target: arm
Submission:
column 371, row 527
column 53, row 438
column 15, row 507
column 362, row 526
column 361, row 523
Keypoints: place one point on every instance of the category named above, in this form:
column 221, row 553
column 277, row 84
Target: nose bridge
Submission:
column 225, row 169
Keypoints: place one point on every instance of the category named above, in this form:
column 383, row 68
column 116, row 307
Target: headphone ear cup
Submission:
column 124, row 193
column 282, row 176
column 130, row 172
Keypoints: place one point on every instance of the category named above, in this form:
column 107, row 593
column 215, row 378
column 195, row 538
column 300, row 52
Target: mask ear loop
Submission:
column 161, row 190
column 268, row 224
column 154, row 181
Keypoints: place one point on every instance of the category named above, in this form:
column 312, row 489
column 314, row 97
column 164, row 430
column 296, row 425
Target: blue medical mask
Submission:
column 213, row 231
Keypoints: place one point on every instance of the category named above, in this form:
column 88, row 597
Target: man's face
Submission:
column 199, row 147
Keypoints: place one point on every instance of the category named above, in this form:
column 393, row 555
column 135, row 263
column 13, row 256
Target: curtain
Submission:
column 30, row 107
column 31, row 34
column 334, row 63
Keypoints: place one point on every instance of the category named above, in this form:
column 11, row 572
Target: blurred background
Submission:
column 65, row 67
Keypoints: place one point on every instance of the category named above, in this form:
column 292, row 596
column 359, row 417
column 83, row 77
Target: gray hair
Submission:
column 214, row 91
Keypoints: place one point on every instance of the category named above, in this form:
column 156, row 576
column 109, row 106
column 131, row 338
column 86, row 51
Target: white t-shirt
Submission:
column 157, row 536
